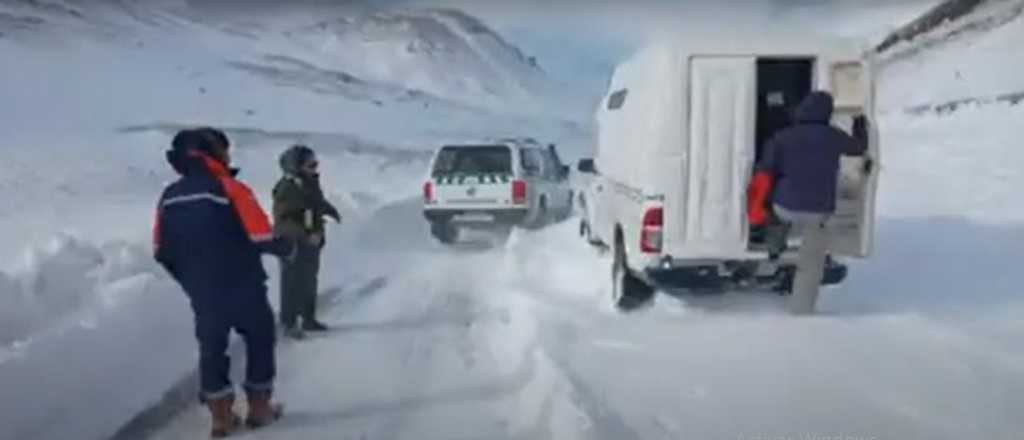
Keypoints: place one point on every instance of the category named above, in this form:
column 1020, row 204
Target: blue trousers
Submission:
column 247, row 312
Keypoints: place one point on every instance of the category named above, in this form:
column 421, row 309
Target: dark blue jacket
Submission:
column 803, row 160
column 210, row 231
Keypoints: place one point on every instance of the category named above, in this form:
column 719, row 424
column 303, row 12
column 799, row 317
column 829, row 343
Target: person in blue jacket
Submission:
column 799, row 173
column 209, row 235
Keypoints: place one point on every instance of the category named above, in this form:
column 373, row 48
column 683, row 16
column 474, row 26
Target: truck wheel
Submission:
column 542, row 215
column 565, row 212
column 628, row 291
column 444, row 232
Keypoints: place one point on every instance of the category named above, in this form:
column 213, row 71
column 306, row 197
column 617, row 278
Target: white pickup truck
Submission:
column 679, row 132
column 495, row 186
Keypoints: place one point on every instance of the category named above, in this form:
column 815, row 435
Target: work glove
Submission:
column 860, row 127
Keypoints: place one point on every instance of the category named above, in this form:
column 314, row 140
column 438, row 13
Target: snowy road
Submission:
column 519, row 343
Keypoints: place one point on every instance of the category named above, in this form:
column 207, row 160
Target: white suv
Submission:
column 495, row 186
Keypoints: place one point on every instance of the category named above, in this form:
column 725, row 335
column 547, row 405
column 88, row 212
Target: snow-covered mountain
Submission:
column 441, row 52
column 431, row 56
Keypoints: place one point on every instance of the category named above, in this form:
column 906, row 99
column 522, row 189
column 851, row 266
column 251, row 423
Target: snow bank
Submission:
column 85, row 379
column 62, row 278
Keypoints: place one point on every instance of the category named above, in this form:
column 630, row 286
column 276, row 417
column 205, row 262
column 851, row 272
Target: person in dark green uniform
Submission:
column 299, row 211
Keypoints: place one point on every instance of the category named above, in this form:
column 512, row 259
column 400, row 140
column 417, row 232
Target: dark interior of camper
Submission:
column 781, row 84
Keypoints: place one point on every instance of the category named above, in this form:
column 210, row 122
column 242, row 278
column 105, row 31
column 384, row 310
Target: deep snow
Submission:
column 514, row 342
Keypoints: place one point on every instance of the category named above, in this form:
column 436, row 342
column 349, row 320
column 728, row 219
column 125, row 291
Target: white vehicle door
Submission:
column 723, row 93
column 852, row 227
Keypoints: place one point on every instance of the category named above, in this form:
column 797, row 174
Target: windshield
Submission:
column 473, row 160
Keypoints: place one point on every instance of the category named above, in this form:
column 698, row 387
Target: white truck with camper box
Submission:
column 493, row 187
column 680, row 130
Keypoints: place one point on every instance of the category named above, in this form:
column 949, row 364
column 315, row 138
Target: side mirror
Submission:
column 563, row 172
column 586, row 166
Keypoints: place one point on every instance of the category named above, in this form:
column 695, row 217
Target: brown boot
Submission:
column 262, row 411
column 225, row 421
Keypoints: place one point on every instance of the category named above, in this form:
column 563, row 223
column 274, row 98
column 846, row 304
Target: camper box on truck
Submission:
column 679, row 133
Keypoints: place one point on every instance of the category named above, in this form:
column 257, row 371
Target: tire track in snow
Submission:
column 541, row 392
column 606, row 422
column 393, row 423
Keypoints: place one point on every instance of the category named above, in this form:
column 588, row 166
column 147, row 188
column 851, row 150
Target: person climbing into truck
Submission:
column 794, row 187
column 209, row 234
column 299, row 211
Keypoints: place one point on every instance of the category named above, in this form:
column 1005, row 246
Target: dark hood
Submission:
column 815, row 108
column 293, row 158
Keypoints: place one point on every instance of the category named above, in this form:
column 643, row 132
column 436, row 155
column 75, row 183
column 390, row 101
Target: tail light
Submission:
column 428, row 192
column 651, row 231
column 518, row 192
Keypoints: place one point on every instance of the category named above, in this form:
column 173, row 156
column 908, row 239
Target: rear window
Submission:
column 617, row 99
column 473, row 160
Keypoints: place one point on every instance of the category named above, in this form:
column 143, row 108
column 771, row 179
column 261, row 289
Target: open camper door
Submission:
column 720, row 153
column 852, row 228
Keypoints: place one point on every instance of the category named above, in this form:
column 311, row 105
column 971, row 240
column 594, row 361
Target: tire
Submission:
column 566, row 212
column 444, row 232
column 542, row 215
column 628, row 292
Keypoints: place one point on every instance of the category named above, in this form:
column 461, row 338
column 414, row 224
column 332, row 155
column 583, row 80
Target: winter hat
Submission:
column 183, row 142
column 215, row 136
column 294, row 158
column 204, row 139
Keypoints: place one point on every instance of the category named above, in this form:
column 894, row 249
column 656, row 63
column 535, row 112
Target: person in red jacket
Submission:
column 209, row 234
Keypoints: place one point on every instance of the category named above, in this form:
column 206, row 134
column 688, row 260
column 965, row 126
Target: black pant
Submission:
column 247, row 311
column 299, row 285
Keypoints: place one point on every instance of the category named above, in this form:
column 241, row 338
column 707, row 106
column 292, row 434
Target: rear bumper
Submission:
column 509, row 216
column 734, row 274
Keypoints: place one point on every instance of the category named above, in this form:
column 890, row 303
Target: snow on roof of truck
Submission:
column 770, row 42
column 510, row 142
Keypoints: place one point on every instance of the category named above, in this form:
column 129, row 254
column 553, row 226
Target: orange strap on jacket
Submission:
column 757, row 198
column 254, row 219
column 156, row 231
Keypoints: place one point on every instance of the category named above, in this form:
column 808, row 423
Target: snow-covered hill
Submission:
column 379, row 56
column 441, row 52
column 952, row 100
